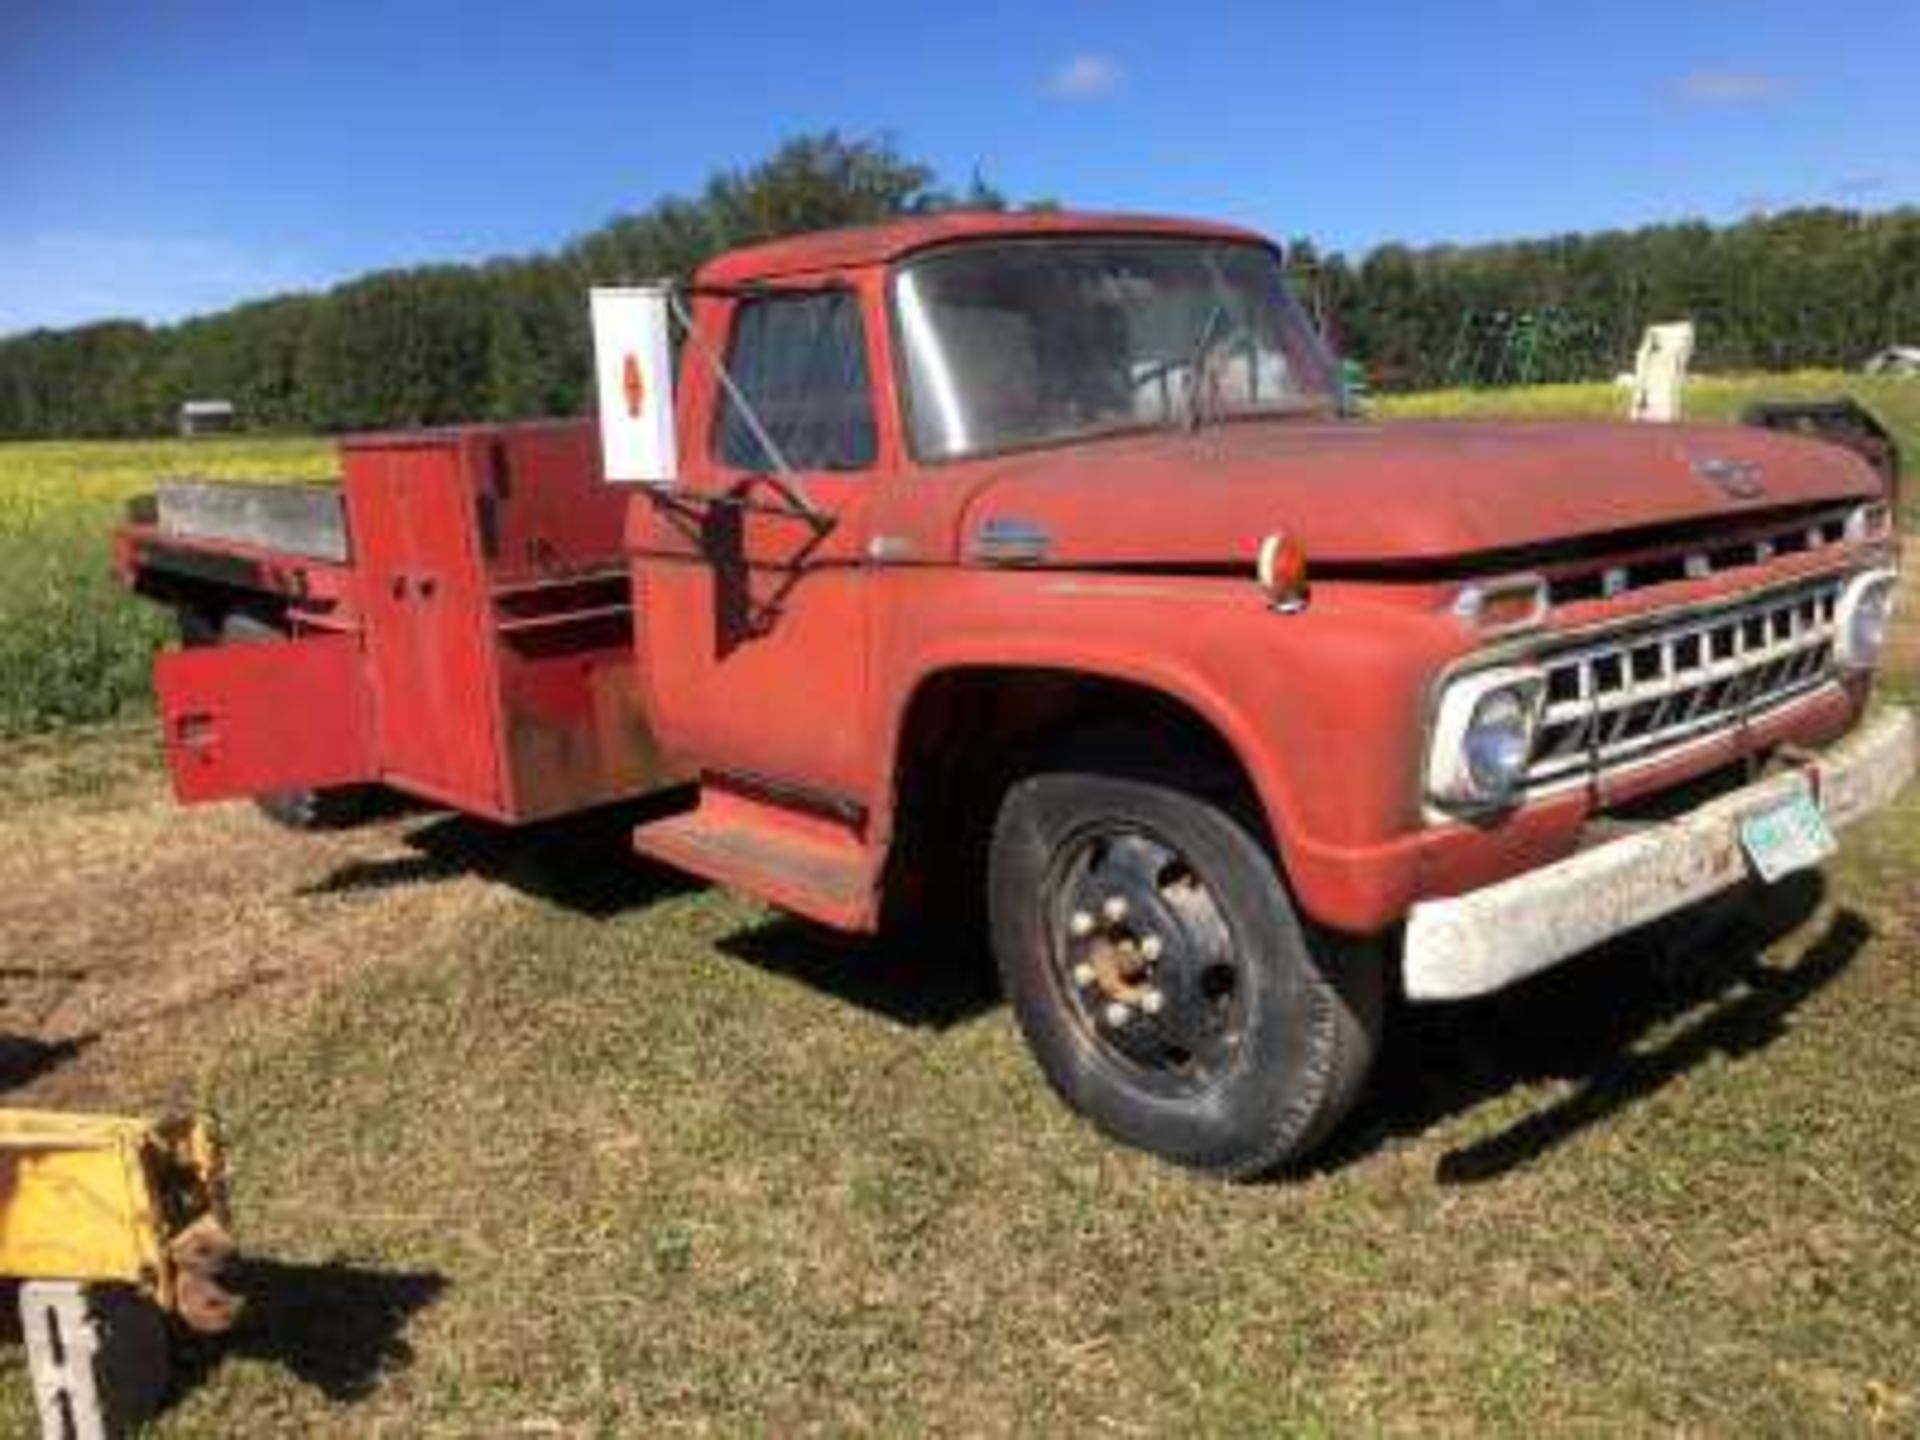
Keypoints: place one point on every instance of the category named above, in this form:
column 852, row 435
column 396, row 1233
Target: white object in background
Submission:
column 1901, row 360
column 1660, row 372
column 633, row 370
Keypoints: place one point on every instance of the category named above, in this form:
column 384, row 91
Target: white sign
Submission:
column 633, row 369
column 1660, row 372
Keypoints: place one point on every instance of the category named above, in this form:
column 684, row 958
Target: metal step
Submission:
column 803, row 863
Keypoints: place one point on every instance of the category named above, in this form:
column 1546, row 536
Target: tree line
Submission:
column 435, row 344
column 1803, row 288
column 508, row 339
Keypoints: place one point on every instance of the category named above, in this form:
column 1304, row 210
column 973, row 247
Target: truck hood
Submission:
column 1405, row 493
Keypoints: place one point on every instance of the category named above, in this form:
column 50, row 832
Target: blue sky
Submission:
column 162, row 157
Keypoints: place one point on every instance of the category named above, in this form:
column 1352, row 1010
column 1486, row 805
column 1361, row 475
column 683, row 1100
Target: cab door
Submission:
column 754, row 596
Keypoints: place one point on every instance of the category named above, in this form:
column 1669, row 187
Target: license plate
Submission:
column 1791, row 836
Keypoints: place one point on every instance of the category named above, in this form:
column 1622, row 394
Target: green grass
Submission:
column 628, row 1157
column 73, row 647
column 623, row 1155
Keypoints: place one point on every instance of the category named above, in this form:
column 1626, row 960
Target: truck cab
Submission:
column 1031, row 569
column 830, row 553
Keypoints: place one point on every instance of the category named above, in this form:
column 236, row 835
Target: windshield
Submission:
column 1028, row 342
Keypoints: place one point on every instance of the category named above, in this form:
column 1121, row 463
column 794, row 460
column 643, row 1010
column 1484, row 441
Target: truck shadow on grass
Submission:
column 1704, row 983
column 923, row 981
column 1703, row 986
column 587, row 865
column 583, row 863
column 335, row 1326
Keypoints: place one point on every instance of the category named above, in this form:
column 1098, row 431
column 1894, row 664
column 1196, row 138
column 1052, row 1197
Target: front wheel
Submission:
column 1163, row 979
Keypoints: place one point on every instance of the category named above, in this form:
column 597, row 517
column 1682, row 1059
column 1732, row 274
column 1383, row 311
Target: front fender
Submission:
column 1324, row 709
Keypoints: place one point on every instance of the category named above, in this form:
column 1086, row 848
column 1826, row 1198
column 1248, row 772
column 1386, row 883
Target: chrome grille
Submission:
column 1643, row 690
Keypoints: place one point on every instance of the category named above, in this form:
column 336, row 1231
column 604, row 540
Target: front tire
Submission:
column 1164, row 981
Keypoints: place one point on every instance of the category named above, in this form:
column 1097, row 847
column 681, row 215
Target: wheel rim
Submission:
column 1145, row 961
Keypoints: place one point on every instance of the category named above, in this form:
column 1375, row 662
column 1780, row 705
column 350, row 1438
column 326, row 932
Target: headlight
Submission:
column 1860, row 619
column 1483, row 737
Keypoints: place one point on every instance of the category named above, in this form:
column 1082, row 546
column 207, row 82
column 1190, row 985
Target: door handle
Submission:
column 195, row 731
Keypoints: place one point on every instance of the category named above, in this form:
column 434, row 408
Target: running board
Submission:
column 800, row 861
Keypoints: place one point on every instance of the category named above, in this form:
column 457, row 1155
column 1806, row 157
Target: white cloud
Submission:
column 71, row 279
column 1728, row 87
column 1087, row 77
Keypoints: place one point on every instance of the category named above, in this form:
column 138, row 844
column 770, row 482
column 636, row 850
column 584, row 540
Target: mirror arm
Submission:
column 782, row 478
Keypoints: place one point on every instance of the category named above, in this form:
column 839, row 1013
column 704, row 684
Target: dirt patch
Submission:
column 138, row 939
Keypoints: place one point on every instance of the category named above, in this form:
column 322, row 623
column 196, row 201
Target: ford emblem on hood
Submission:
column 1740, row 479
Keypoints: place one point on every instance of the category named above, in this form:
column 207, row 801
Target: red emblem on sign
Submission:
column 634, row 386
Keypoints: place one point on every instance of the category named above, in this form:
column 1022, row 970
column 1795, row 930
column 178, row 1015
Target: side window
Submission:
column 801, row 363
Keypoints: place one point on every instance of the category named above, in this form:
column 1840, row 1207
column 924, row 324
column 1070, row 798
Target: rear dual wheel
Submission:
column 328, row 808
column 1163, row 979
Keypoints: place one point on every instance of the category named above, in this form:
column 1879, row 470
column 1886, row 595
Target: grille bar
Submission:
column 1703, row 558
column 1633, row 694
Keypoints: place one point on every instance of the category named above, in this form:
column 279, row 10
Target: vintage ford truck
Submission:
column 1035, row 560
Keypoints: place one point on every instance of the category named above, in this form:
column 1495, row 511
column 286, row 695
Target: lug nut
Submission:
column 1118, row 1014
column 1152, row 1002
column 1081, row 924
column 1083, row 975
column 1115, row 908
column 1150, row 948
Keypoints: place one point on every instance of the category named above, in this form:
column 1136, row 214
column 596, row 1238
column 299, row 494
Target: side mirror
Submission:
column 633, row 372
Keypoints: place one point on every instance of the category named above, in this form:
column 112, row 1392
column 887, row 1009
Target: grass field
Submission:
column 73, row 648
column 532, row 1138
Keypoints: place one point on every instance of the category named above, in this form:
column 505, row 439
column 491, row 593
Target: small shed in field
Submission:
column 206, row 417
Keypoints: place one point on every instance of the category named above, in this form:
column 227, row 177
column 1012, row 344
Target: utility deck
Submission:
column 454, row 621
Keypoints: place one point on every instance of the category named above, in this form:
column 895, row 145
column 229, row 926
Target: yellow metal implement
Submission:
column 111, row 1200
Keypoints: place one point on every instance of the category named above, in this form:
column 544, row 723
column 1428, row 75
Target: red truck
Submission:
column 1034, row 561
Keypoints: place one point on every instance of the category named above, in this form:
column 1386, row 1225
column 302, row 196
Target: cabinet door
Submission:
column 240, row 720
column 428, row 627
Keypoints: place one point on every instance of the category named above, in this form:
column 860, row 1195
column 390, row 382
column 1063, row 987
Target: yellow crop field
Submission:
column 73, row 646
column 75, row 649
column 58, row 482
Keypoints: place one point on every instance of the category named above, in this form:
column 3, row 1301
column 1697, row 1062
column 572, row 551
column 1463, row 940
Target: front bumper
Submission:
column 1479, row 942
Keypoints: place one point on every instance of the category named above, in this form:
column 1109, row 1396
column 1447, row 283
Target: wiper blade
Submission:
column 1203, row 344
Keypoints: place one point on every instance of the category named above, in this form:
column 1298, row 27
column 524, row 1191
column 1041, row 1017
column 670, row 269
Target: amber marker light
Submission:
column 1281, row 567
